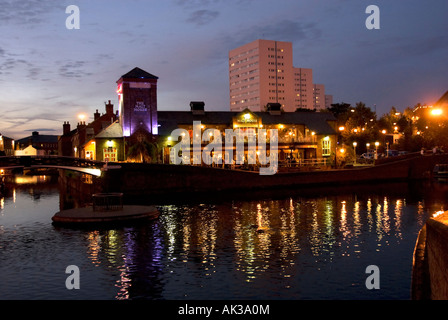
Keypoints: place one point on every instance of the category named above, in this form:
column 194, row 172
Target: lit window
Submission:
column 326, row 147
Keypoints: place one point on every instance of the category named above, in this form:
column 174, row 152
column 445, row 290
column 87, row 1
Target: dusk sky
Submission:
column 49, row 74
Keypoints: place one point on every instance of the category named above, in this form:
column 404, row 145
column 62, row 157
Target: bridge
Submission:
column 58, row 162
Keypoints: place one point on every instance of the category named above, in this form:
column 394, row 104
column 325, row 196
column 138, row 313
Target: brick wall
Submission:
column 437, row 255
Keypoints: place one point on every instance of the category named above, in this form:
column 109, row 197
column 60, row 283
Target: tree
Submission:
column 392, row 120
column 142, row 151
column 360, row 127
column 305, row 110
column 341, row 112
column 361, row 117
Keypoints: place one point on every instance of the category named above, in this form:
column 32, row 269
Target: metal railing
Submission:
column 48, row 159
column 306, row 162
column 107, row 201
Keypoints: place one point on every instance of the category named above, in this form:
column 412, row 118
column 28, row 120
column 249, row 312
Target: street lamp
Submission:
column 354, row 147
column 376, row 149
column 342, row 151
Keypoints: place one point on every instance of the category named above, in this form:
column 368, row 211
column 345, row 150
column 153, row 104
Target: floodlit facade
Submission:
column 303, row 89
column 319, row 96
column 262, row 72
column 137, row 94
column 302, row 138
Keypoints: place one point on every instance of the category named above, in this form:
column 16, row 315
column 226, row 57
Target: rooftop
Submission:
column 443, row 101
column 113, row 131
column 39, row 138
column 138, row 73
column 315, row 121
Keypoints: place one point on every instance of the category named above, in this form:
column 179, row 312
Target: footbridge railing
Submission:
column 28, row 161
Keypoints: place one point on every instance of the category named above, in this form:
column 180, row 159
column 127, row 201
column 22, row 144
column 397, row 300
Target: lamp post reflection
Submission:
column 376, row 149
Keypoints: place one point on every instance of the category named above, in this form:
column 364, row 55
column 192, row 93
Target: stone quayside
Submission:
column 158, row 181
column 136, row 180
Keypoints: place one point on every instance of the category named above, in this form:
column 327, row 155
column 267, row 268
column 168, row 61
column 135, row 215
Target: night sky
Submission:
column 49, row 74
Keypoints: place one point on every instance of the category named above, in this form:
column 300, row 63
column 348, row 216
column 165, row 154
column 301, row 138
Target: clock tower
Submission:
column 137, row 95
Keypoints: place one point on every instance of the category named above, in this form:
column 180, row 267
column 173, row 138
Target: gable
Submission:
column 246, row 118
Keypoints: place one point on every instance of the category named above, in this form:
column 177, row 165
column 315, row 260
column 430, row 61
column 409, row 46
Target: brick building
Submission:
column 76, row 142
column 46, row 143
column 302, row 136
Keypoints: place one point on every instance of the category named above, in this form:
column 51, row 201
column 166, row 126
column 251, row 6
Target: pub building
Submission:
column 303, row 137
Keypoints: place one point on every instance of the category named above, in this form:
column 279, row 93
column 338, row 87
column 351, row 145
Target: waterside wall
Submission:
column 76, row 189
column 430, row 263
column 160, row 179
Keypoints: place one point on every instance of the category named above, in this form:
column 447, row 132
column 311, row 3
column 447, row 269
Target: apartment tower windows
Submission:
column 262, row 72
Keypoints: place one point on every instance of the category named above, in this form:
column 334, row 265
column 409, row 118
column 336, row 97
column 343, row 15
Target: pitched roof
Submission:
column 315, row 121
column 138, row 73
column 443, row 101
column 39, row 138
column 113, row 131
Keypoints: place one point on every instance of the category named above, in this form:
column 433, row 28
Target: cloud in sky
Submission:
column 49, row 74
column 202, row 17
column 281, row 30
column 73, row 69
column 27, row 13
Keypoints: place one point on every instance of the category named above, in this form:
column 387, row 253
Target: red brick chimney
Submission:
column 81, row 125
column 109, row 108
column 96, row 115
column 66, row 128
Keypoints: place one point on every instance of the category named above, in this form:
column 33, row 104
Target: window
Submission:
column 110, row 154
column 90, row 155
column 326, row 146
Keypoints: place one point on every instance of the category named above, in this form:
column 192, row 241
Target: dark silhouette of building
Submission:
column 46, row 142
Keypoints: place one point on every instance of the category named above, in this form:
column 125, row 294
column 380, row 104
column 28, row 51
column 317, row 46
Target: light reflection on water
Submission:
column 285, row 248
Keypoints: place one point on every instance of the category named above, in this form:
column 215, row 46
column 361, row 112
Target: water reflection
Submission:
column 294, row 246
column 270, row 235
column 209, row 250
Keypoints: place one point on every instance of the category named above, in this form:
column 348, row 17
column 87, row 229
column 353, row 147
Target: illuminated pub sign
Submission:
column 140, row 106
column 137, row 95
column 246, row 119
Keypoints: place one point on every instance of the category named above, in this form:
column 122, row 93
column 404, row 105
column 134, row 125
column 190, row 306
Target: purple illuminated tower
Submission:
column 137, row 94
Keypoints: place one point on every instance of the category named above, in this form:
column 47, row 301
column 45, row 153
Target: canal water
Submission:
column 289, row 245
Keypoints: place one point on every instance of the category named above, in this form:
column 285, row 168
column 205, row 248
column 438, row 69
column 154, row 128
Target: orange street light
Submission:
column 376, row 149
column 436, row 112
